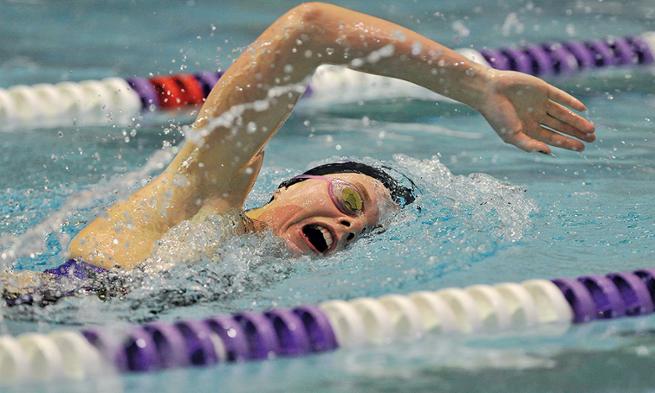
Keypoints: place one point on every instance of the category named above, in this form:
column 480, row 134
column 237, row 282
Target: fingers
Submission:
column 565, row 98
column 566, row 128
column 508, row 127
column 562, row 120
column 524, row 142
column 565, row 115
column 555, row 139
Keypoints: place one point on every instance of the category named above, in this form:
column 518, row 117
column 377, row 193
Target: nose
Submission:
column 350, row 227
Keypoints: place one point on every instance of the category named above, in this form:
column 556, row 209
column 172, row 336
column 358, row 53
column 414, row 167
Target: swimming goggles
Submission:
column 344, row 195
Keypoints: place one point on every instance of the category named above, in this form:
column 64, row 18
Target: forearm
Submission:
column 369, row 44
column 242, row 112
column 231, row 124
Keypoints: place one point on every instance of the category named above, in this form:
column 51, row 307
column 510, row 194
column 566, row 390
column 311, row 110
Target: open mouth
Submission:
column 319, row 237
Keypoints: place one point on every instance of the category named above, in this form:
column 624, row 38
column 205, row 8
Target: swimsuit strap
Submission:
column 75, row 268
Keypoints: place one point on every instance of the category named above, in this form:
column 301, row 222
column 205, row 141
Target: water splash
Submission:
column 31, row 241
column 455, row 222
column 490, row 203
column 461, row 220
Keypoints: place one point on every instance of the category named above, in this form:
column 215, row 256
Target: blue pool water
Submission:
column 489, row 213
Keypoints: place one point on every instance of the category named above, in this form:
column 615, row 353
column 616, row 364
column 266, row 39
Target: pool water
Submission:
column 488, row 212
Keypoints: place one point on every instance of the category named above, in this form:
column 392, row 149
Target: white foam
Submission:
column 31, row 241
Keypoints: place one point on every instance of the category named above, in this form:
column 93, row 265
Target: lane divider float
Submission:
column 305, row 330
column 119, row 101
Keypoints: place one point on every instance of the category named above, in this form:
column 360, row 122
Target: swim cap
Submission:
column 400, row 194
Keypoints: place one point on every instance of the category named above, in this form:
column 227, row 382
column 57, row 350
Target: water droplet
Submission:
column 357, row 63
column 399, row 35
column 416, row 48
column 251, row 127
column 461, row 29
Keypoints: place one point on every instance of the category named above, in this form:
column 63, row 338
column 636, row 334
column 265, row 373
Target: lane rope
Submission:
column 120, row 101
column 306, row 330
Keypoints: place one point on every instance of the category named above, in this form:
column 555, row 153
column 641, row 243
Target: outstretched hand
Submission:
column 531, row 114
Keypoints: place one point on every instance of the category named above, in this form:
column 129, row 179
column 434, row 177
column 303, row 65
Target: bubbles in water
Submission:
column 511, row 25
column 461, row 29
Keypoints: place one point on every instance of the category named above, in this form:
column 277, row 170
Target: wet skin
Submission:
column 215, row 169
column 304, row 206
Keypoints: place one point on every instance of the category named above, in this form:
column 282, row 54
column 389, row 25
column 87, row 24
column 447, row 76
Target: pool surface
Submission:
column 488, row 212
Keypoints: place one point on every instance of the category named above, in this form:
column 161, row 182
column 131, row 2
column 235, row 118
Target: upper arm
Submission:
column 251, row 101
column 126, row 232
column 121, row 237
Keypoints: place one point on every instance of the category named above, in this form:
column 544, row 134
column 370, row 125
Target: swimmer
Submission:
column 330, row 206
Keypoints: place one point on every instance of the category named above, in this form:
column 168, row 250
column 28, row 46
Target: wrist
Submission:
column 474, row 85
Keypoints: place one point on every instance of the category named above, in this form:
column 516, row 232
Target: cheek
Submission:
column 312, row 203
column 287, row 213
column 300, row 208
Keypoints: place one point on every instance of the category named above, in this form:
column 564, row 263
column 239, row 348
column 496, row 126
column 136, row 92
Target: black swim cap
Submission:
column 400, row 194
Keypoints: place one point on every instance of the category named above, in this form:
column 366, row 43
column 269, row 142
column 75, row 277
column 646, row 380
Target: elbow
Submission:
column 310, row 12
column 306, row 17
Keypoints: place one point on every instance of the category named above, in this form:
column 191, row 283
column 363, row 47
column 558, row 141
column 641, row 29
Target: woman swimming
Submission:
column 329, row 207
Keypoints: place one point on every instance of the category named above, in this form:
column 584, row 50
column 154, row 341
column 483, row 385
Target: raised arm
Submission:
column 287, row 53
column 219, row 161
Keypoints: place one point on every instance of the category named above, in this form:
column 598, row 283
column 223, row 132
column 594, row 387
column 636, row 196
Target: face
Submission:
column 323, row 215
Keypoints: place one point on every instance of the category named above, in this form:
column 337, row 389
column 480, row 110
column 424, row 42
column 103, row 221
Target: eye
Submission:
column 351, row 200
column 346, row 197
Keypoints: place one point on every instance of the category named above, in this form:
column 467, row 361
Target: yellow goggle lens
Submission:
column 351, row 199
